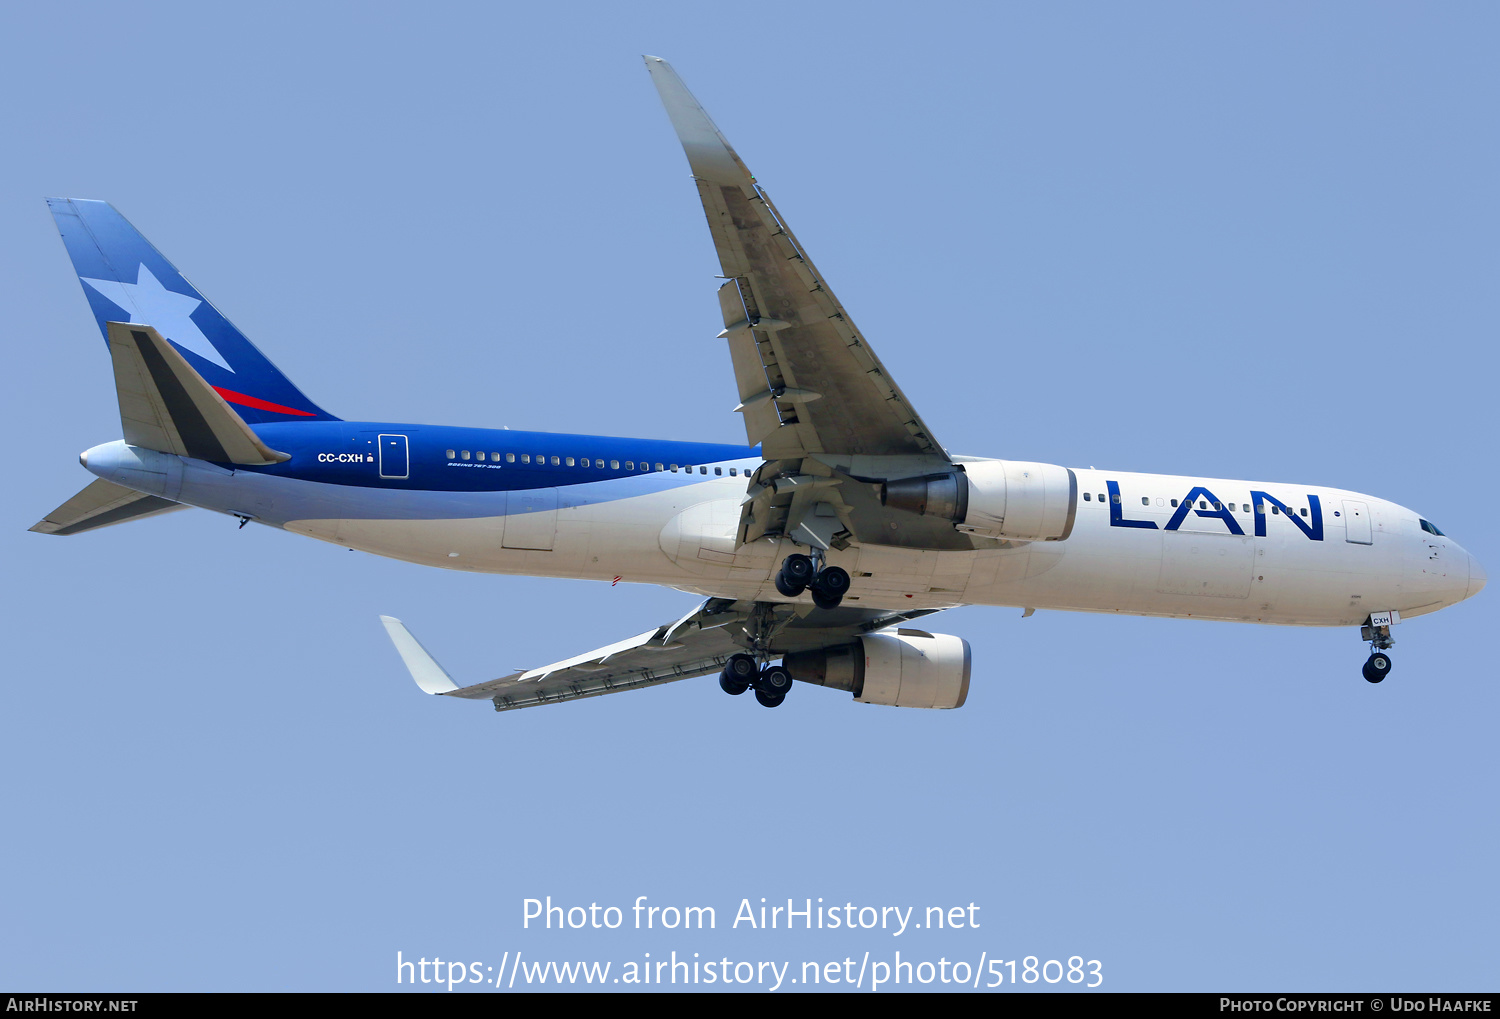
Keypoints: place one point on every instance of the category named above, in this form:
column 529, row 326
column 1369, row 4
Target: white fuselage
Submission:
column 1129, row 556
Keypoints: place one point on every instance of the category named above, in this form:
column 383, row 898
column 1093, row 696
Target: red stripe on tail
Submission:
column 258, row 404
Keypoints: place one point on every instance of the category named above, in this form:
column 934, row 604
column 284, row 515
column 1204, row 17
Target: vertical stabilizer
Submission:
column 127, row 280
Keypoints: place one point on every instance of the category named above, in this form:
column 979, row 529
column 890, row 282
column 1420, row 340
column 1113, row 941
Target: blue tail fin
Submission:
column 127, row 280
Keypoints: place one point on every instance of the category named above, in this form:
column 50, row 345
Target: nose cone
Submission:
column 1476, row 577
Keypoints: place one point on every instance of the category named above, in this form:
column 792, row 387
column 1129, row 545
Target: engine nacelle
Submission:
column 900, row 668
column 1007, row 499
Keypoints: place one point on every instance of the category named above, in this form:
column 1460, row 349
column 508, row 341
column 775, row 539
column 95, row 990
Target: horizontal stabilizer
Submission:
column 167, row 406
column 101, row 504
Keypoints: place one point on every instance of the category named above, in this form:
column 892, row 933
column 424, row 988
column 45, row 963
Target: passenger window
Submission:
column 570, row 461
column 1260, row 508
column 1116, row 500
column 732, row 474
column 556, row 462
column 1087, row 497
column 614, row 465
column 1203, row 504
column 661, row 468
column 1303, row 511
column 1275, row 512
column 464, row 455
column 479, row 455
column 452, row 453
column 630, row 465
column 1174, row 502
column 510, row 458
column 495, row 457
column 1145, row 500
column 1101, row 496
column 718, row 470
column 1218, row 505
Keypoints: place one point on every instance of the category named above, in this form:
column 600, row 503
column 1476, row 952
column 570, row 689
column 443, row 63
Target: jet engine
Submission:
column 996, row 498
column 901, row 668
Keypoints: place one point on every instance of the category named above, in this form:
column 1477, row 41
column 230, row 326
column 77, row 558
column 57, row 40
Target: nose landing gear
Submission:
column 1378, row 666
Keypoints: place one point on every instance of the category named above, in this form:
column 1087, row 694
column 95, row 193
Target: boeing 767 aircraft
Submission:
column 815, row 545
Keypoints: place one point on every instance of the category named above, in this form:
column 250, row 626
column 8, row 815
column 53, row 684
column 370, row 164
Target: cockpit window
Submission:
column 1428, row 526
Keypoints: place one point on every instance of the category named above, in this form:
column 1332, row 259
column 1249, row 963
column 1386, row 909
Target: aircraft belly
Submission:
column 1193, row 574
column 591, row 538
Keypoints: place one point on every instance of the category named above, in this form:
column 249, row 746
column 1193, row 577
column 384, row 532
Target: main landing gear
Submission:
column 799, row 573
column 1378, row 666
column 742, row 673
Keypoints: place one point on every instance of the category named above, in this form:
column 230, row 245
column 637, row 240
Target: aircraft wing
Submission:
column 698, row 644
column 808, row 381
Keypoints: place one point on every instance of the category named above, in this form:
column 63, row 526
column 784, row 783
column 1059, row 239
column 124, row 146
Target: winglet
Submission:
column 708, row 151
column 430, row 676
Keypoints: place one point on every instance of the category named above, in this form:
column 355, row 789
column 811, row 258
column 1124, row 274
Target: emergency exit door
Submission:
column 1357, row 523
column 395, row 457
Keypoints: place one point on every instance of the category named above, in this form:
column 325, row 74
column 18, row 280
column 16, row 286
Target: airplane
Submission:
column 815, row 546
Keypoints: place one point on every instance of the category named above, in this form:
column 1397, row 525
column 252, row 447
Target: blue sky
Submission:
column 1234, row 240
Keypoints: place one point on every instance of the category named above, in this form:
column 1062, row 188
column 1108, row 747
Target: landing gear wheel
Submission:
column 774, row 681
column 769, row 700
column 795, row 574
column 788, row 590
column 829, row 587
column 739, row 672
column 742, row 668
column 1378, row 667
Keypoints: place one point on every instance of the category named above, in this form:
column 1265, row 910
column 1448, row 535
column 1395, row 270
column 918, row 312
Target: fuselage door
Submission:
column 395, row 457
column 530, row 519
column 1357, row 522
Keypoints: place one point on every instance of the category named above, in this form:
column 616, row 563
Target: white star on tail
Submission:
column 149, row 303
